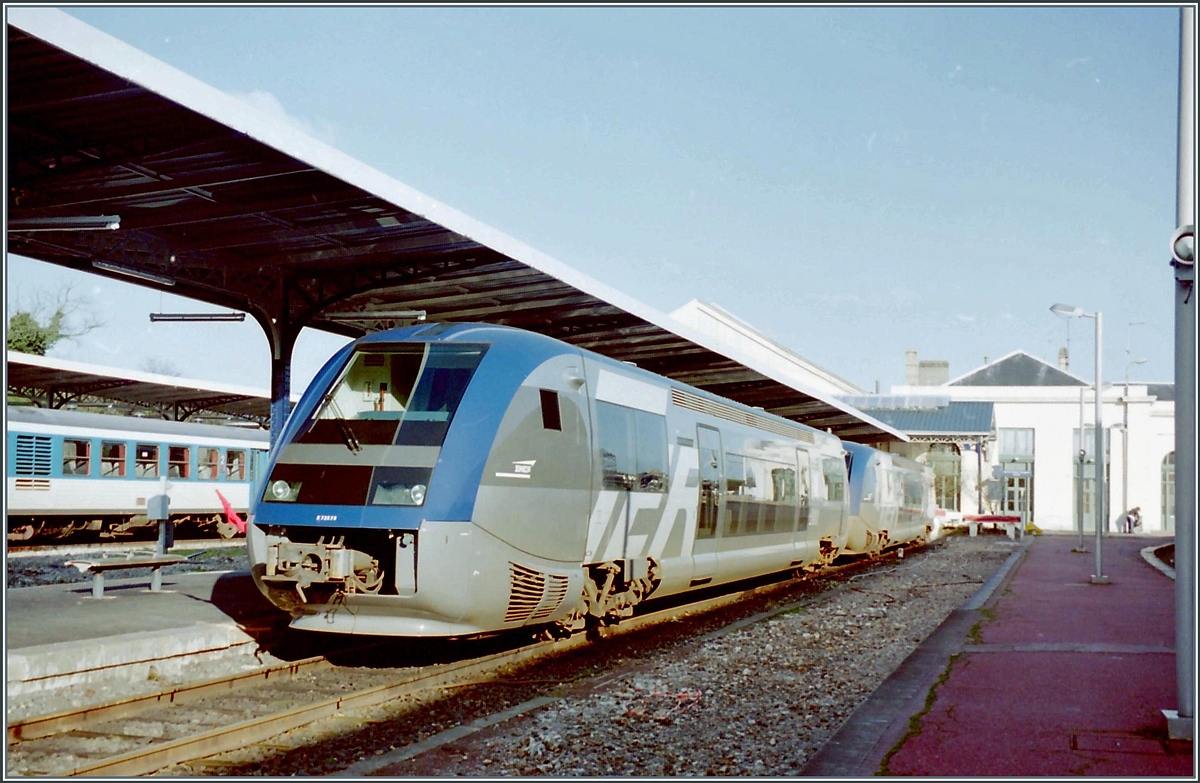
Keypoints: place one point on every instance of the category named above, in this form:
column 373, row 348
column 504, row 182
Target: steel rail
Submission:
column 68, row 720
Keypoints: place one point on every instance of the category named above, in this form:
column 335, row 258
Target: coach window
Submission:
column 177, row 461
column 735, row 488
column 633, row 448
column 76, row 457
column 112, row 459
column 651, row 451
column 834, row 470
column 235, row 465
column 146, row 461
column 207, row 464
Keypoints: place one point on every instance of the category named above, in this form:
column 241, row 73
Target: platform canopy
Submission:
column 61, row 383
column 219, row 202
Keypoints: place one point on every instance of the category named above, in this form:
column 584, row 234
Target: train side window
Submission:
column 651, row 451
column 551, row 416
column 735, row 489
column 112, row 459
column 208, row 462
column 834, row 470
column 618, row 449
column 146, row 461
column 235, row 465
column 178, row 461
column 77, row 457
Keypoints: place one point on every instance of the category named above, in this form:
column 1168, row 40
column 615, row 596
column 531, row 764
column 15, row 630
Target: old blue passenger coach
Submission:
column 458, row 479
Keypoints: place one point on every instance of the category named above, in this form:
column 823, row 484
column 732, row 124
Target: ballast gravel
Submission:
column 756, row 698
column 759, row 700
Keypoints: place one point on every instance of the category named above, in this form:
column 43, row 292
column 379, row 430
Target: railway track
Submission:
column 141, row 735
column 18, row 550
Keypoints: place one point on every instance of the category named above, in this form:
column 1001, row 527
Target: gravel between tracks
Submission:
column 756, row 699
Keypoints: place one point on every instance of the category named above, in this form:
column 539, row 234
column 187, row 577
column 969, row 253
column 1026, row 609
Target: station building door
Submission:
column 1016, row 456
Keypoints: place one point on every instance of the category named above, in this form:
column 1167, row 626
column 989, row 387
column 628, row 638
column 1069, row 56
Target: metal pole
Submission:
column 1079, row 483
column 1125, row 451
column 1180, row 722
column 1099, row 578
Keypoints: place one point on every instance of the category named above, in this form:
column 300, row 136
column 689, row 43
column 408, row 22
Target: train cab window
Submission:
column 178, row 462
column 112, row 459
column 208, row 462
column 76, row 457
column 235, row 465
column 146, row 461
column 403, row 394
column 551, row 416
column 633, row 448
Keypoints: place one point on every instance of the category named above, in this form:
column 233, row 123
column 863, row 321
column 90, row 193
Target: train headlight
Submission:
column 283, row 491
column 418, row 494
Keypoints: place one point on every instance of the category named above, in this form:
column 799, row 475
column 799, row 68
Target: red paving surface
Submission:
column 1089, row 705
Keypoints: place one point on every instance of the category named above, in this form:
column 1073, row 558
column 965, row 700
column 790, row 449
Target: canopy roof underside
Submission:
column 219, row 204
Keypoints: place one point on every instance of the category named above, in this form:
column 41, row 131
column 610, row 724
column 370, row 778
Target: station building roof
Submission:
column 57, row 383
column 219, row 202
column 931, row 417
column 1018, row 369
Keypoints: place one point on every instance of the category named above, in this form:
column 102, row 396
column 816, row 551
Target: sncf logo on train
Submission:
column 522, row 469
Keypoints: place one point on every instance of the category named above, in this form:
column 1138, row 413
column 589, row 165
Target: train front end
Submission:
column 364, row 525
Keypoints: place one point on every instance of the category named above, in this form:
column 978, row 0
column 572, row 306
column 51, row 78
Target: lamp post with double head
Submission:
column 1070, row 311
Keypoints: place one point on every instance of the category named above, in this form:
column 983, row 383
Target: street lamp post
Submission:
column 1070, row 311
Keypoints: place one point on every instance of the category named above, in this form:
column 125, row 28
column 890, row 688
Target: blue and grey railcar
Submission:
column 890, row 500
column 69, row 471
column 457, row 479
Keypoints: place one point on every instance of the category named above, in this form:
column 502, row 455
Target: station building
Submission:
column 1017, row 416
column 1037, row 409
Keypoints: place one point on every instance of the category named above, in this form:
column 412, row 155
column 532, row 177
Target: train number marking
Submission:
column 522, row 469
column 327, row 517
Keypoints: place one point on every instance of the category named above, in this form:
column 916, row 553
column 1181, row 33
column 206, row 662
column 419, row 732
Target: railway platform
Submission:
column 1040, row 674
column 58, row 637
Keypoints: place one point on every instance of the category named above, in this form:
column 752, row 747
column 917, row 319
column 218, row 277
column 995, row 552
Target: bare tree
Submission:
column 36, row 325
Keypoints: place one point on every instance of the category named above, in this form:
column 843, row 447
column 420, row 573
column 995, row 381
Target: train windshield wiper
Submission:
column 343, row 427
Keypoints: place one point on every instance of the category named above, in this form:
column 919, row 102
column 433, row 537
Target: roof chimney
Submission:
column 910, row 368
column 933, row 372
column 1063, row 362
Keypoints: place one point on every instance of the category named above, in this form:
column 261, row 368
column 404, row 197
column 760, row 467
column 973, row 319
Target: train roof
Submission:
column 481, row 332
column 15, row 415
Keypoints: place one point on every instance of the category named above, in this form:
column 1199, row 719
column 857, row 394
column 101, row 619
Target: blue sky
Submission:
column 854, row 182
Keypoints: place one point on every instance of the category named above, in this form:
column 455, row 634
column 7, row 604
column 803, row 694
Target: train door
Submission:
column 708, row 512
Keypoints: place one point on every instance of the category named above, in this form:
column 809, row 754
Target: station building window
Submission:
column 76, row 457
column 178, row 462
column 146, row 461
column 112, row 459
column 235, row 465
column 208, row 463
